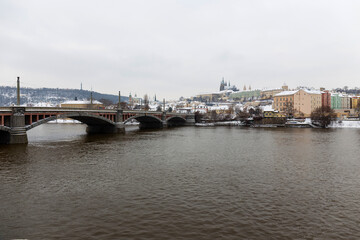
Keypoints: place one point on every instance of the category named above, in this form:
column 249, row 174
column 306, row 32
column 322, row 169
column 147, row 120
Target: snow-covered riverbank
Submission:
column 65, row 121
column 345, row 124
column 227, row 123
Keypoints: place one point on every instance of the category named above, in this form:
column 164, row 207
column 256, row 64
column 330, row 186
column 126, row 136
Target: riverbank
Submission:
column 290, row 124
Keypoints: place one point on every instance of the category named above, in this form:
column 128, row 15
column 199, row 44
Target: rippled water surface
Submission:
column 183, row 183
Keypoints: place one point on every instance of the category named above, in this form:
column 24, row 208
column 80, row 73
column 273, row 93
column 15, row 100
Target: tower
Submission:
column 244, row 87
column 222, row 84
column 285, row 87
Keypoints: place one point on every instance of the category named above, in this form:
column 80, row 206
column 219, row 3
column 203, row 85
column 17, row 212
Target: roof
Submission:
column 268, row 108
column 286, row 93
column 271, row 89
column 312, row 91
column 82, row 102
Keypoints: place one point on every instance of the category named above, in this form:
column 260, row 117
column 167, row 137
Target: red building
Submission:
column 325, row 98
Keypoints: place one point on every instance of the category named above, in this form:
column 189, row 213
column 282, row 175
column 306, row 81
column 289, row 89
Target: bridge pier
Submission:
column 17, row 123
column 190, row 120
column 163, row 117
column 119, row 124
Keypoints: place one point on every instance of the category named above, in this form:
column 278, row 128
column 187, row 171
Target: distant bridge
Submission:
column 16, row 121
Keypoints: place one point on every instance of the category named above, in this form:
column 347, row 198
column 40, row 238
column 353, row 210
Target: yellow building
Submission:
column 272, row 114
column 284, row 102
column 354, row 102
column 82, row 104
column 270, row 93
column 208, row 97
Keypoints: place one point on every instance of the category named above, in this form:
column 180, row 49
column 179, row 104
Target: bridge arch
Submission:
column 4, row 134
column 175, row 121
column 91, row 120
column 146, row 121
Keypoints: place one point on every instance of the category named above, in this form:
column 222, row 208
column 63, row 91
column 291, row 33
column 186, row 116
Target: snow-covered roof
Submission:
column 286, row 93
column 271, row 89
column 312, row 91
column 82, row 102
column 222, row 107
column 268, row 108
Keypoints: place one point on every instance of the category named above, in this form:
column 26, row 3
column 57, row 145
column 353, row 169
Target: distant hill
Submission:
column 51, row 96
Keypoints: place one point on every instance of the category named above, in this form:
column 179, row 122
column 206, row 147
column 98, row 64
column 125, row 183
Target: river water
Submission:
column 182, row 183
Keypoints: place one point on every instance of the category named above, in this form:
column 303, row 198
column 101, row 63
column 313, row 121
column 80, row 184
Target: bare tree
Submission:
column 289, row 109
column 124, row 105
column 213, row 115
column 106, row 102
column 357, row 108
column 198, row 117
column 242, row 115
column 146, row 102
column 322, row 116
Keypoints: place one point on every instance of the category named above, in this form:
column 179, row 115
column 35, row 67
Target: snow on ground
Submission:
column 345, row 124
column 64, row 121
column 226, row 123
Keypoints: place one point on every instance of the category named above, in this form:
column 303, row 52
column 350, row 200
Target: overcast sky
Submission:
column 179, row 48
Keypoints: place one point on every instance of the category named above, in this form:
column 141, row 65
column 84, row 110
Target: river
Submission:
column 182, row 183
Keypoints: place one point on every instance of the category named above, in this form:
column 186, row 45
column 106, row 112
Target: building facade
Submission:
column 326, row 98
column 335, row 101
column 299, row 103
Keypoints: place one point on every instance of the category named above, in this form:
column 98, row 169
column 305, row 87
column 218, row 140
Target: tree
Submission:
column 322, row 116
column 146, row 102
column 258, row 111
column 170, row 109
column 289, row 109
column 357, row 108
column 198, row 116
column 124, row 105
column 242, row 115
column 213, row 115
column 106, row 102
column 158, row 108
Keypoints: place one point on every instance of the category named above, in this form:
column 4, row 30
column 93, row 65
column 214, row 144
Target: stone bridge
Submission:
column 16, row 121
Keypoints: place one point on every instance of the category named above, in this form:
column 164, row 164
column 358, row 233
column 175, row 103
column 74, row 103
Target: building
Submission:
column 208, row 97
column 284, row 102
column 345, row 101
column 87, row 104
column 246, row 95
column 298, row 103
column 227, row 86
column 269, row 112
column 336, row 101
column 354, row 102
column 270, row 93
column 326, row 98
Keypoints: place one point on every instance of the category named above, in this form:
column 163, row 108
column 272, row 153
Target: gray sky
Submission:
column 179, row 48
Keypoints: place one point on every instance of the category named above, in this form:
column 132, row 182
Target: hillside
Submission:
column 50, row 96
